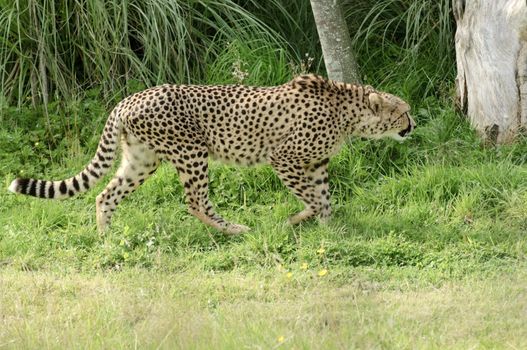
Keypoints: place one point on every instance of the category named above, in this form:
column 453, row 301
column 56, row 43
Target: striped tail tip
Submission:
column 16, row 186
column 31, row 187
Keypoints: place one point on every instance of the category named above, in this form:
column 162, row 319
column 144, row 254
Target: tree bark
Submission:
column 335, row 41
column 491, row 58
column 522, row 79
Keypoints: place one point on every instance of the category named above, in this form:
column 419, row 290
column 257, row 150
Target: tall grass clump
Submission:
column 252, row 62
column 57, row 49
column 404, row 44
column 294, row 20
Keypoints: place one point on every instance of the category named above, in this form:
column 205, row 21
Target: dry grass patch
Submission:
column 196, row 310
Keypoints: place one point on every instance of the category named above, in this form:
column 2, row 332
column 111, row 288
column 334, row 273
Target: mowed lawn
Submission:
column 260, row 309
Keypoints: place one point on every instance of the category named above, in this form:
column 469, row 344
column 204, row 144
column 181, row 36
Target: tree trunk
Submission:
column 491, row 55
column 335, row 41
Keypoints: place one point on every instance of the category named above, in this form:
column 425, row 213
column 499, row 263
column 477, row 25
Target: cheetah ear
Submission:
column 375, row 102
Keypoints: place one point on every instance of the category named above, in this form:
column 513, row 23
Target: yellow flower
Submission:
column 323, row 272
column 321, row 250
column 289, row 275
column 304, row 266
column 280, row 339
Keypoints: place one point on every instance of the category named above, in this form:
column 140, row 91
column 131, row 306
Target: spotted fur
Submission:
column 295, row 127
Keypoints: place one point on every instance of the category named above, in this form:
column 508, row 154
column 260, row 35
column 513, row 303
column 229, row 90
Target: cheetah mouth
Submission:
column 405, row 132
column 409, row 128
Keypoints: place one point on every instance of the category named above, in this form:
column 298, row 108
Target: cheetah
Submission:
column 295, row 127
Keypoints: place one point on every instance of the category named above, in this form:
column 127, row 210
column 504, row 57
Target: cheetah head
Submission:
column 385, row 115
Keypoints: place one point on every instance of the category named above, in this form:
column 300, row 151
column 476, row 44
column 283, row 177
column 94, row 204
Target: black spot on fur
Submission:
column 51, row 190
column 33, row 188
column 93, row 173
column 63, row 188
column 22, row 185
column 76, row 184
column 42, row 192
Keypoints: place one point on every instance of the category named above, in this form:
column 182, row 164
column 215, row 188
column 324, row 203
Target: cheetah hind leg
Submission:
column 193, row 174
column 137, row 164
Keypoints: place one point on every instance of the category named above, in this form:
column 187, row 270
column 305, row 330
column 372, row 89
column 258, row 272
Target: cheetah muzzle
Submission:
column 295, row 127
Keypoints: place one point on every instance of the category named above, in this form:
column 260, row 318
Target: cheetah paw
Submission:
column 236, row 229
column 299, row 217
column 324, row 220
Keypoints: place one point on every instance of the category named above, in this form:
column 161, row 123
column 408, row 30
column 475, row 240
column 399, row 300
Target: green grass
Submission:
column 427, row 249
column 58, row 49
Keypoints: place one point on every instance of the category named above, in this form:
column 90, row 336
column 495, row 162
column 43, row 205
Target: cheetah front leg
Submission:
column 317, row 174
column 308, row 183
column 192, row 168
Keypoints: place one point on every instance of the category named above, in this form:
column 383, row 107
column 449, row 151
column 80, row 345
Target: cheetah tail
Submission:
column 83, row 181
